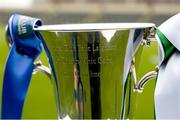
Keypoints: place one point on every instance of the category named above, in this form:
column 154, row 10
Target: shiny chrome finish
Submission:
column 149, row 36
column 39, row 67
column 138, row 76
column 138, row 87
column 90, row 65
column 145, row 79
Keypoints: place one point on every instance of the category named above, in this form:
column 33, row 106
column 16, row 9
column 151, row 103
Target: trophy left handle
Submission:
column 39, row 67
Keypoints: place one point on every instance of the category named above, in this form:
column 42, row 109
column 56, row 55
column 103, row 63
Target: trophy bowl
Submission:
column 90, row 65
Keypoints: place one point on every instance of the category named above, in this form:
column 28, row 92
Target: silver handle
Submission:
column 39, row 67
column 145, row 79
column 139, row 86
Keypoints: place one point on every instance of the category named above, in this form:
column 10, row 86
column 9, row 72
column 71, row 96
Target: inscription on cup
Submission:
column 82, row 48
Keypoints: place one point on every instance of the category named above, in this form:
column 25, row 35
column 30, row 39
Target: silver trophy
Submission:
column 97, row 67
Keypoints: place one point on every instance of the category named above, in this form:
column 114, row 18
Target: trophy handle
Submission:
column 139, row 86
column 147, row 77
column 39, row 67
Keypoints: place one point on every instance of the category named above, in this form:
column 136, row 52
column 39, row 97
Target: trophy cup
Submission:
column 91, row 65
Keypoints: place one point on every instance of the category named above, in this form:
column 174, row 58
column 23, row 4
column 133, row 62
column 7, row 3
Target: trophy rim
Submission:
column 88, row 27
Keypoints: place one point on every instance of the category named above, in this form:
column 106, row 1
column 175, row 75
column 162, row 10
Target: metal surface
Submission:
column 149, row 36
column 39, row 67
column 89, row 62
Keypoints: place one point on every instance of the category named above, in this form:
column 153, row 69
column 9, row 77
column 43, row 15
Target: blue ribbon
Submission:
column 25, row 49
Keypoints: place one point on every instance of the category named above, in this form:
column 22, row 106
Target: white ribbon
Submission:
column 167, row 91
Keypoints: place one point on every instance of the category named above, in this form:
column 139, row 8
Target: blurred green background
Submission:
column 40, row 102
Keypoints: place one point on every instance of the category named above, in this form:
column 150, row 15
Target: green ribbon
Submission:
column 168, row 47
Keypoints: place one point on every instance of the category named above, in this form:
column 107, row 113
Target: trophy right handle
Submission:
column 147, row 77
column 139, row 86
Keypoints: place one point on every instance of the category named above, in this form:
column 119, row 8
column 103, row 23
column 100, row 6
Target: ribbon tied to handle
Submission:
column 26, row 47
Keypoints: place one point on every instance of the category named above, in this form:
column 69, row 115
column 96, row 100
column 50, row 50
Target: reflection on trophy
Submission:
column 94, row 67
column 92, row 63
